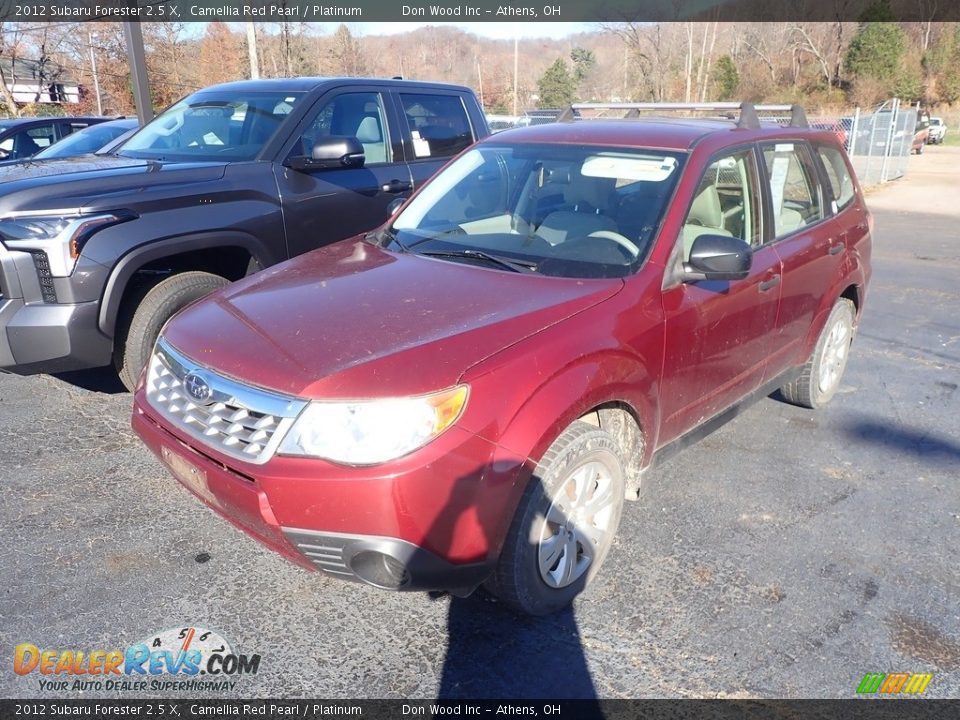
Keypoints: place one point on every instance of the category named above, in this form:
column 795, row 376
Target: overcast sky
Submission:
column 497, row 30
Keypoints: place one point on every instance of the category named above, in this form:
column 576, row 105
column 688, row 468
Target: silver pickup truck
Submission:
column 937, row 130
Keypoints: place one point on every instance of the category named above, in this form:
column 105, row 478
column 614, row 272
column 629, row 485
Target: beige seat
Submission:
column 788, row 221
column 705, row 218
column 369, row 135
column 591, row 200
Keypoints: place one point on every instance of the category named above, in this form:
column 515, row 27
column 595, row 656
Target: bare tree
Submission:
column 9, row 41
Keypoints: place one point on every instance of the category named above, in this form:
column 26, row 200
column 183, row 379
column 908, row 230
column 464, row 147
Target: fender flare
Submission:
column 568, row 395
column 853, row 277
column 125, row 268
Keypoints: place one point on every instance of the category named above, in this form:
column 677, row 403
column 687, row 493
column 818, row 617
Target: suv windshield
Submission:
column 213, row 126
column 562, row 210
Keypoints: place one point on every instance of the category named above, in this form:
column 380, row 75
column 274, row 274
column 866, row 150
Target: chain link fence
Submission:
column 879, row 142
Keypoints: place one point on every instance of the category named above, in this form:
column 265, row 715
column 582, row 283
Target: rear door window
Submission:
column 794, row 189
column 438, row 124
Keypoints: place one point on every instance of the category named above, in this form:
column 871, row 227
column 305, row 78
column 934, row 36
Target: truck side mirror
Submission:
column 332, row 152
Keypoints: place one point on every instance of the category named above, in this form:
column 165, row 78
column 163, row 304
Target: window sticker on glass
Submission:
column 421, row 147
column 778, row 180
column 783, row 147
column 654, row 169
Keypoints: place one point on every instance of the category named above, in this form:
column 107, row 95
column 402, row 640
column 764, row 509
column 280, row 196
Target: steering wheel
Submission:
column 618, row 239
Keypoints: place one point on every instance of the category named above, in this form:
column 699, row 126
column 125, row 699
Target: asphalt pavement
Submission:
column 786, row 555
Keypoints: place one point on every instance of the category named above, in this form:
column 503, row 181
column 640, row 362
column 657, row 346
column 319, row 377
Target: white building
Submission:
column 31, row 83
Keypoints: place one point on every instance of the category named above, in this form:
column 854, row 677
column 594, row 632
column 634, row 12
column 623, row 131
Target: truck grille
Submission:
column 238, row 420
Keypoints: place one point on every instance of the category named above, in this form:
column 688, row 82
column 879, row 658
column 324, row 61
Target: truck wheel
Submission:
column 133, row 347
column 565, row 524
column 820, row 377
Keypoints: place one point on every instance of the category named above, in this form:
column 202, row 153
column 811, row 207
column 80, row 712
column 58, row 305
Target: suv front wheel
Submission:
column 565, row 524
column 132, row 349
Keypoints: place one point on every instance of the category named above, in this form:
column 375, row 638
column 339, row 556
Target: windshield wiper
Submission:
column 472, row 253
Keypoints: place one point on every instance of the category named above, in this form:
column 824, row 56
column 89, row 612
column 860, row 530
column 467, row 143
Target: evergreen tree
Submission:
column 556, row 87
column 727, row 78
column 583, row 62
column 876, row 52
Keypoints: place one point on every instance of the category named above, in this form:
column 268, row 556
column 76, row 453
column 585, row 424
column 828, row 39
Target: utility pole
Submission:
column 138, row 71
column 480, row 78
column 96, row 77
column 516, row 70
column 252, row 51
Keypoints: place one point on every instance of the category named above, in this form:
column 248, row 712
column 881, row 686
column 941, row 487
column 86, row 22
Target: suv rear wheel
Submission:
column 132, row 348
column 820, row 377
column 565, row 524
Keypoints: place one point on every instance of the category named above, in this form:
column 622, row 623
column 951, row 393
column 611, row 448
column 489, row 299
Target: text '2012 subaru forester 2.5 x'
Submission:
column 467, row 395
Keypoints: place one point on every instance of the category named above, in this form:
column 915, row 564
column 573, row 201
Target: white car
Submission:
column 937, row 130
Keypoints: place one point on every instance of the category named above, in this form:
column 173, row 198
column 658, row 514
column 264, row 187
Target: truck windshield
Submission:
column 213, row 126
column 563, row 210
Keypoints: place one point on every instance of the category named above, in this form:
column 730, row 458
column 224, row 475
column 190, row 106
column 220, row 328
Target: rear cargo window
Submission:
column 839, row 177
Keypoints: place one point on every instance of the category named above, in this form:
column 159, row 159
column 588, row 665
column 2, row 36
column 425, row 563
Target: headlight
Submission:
column 61, row 237
column 370, row 432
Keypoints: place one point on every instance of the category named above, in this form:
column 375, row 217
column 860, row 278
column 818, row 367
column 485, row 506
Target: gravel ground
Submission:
column 786, row 555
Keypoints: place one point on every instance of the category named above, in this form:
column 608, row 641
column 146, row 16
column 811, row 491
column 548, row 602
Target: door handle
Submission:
column 836, row 249
column 770, row 284
column 396, row 186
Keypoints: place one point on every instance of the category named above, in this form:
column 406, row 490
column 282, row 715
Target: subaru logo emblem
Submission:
column 197, row 388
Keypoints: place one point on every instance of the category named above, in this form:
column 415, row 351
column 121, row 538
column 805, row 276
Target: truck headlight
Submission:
column 60, row 237
column 374, row 431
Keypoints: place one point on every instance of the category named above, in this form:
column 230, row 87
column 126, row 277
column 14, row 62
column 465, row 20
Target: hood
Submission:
column 352, row 320
column 91, row 181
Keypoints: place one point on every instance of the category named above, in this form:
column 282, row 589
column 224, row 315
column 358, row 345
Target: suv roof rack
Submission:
column 748, row 111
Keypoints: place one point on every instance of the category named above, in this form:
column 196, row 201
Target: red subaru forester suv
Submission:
column 468, row 394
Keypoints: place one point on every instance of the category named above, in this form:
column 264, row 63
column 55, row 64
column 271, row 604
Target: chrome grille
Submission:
column 238, row 420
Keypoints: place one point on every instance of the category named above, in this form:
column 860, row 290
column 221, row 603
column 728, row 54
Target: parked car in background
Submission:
column 921, row 134
column 98, row 252
column 937, row 131
column 83, row 142
column 468, row 394
column 21, row 138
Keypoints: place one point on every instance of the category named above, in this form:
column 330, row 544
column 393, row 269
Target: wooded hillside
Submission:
column 822, row 65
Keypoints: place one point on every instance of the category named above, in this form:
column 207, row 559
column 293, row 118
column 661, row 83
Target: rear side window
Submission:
column 794, row 190
column 838, row 176
column 438, row 124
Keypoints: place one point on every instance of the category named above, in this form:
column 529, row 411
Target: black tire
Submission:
column 809, row 389
column 143, row 322
column 518, row 580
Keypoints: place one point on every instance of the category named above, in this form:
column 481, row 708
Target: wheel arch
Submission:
column 615, row 405
column 233, row 254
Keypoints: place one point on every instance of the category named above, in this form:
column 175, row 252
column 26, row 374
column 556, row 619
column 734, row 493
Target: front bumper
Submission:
column 433, row 521
column 38, row 337
column 49, row 324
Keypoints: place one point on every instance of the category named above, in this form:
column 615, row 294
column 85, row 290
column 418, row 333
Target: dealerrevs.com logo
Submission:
column 183, row 659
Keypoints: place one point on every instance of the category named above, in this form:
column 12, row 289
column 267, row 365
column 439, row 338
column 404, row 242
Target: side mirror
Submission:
column 395, row 205
column 718, row 257
column 335, row 151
